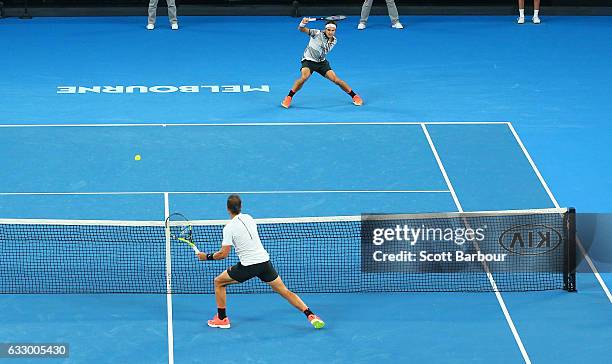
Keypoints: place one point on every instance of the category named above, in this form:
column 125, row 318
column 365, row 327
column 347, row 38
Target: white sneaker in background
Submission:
column 150, row 26
column 397, row 25
column 536, row 20
column 521, row 20
column 174, row 26
column 361, row 26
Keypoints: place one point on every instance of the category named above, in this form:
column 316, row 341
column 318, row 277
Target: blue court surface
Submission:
column 460, row 114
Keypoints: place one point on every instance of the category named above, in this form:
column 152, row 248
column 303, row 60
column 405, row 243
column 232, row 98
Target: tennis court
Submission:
column 448, row 125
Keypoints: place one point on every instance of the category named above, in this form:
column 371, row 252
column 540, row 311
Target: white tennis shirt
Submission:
column 241, row 232
column 318, row 46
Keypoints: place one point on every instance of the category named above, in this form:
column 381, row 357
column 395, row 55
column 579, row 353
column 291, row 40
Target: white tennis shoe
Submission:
column 361, row 26
column 536, row 20
column 397, row 25
column 520, row 20
column 150, row 26
column 174, row 26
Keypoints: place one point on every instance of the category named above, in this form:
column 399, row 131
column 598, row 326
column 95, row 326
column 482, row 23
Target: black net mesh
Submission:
column 311, row 255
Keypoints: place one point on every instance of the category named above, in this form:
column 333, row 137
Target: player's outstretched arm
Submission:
column 221, row 254
column 302, row 27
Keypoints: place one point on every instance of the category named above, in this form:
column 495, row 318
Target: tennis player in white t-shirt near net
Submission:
column 241, row 233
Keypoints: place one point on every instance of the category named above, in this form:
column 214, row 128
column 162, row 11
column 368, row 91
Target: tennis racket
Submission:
column 330, row 18
column 181, row 230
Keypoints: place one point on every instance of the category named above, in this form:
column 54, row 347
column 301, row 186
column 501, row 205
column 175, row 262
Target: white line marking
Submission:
column 252, row 124
column 169, row 285
column 502, row 304
column 594, row 269
column 533, row 166
column 603, row 285
column 80, row 193
column 219, row 192
column 66, row 222
column 441, row 166
column 500, row 299
column 282, row 220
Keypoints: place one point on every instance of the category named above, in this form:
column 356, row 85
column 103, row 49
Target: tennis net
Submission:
column 470, row 252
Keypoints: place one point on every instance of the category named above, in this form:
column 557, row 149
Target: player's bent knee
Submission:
column 219, row 282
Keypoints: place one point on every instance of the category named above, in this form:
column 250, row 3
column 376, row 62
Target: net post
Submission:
column 569, row 273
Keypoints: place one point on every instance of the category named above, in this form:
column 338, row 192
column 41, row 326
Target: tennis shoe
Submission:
column 536, row 20
column 221, row 324
column 520, row 20
column 316, row 321
column 174, row 26
column 286, row 102
column 150, row 26
column 357, row 100
column 397, row 25
column 361, row 26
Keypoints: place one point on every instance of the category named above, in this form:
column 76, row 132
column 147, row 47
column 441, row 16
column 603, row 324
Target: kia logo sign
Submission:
column 530, row 239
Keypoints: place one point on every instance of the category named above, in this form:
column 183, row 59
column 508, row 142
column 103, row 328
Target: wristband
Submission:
column 210, row 256
column 302, row 25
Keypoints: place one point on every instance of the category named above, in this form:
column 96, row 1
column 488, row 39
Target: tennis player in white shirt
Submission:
column 241, row 233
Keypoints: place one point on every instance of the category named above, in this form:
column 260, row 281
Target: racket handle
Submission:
column 312, row 19
column 196, row 250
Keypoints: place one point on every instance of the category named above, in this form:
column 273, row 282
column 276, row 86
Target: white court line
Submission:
column 255, row 124
column 554, row 201
column 442, row 169
column 594, row 269
column 169, row 284
column 500, row 299
column 220, row 192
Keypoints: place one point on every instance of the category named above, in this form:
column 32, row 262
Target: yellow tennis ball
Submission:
column 137, row 157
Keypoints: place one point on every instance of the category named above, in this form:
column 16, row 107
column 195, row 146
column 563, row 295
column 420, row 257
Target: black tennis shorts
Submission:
column 318, row 67
column 264, row 271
